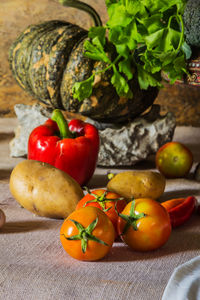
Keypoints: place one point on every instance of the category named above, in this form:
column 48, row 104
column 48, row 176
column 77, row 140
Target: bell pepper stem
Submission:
column 58, row 117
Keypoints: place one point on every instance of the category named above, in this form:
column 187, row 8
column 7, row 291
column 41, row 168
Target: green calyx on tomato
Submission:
column 131, row 219
column 101, row 199
column 85, row 234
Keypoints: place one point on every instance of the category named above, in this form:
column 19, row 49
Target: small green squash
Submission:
column 47, row 59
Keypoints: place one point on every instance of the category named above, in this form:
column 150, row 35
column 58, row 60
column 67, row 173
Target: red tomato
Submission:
column 149, row 226
column 174, row 160
column 87, row 234
column 106, row 201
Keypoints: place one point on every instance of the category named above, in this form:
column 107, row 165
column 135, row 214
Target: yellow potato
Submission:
column 44, row 190
column 138, row 184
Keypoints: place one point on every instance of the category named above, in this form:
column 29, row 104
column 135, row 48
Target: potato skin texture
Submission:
column 44, row 190
column 138, row 184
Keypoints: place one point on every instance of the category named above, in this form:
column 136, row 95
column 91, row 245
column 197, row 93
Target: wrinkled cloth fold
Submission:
column 184, row 284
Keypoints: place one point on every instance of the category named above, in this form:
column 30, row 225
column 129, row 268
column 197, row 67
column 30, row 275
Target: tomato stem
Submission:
column 85, row 234
column 131, row 219
column 101, row 199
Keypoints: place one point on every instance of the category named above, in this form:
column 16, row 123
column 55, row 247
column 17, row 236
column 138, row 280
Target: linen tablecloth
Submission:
column 33, row 264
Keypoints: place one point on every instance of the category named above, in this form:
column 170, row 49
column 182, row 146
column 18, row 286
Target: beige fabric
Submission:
column 33, row 264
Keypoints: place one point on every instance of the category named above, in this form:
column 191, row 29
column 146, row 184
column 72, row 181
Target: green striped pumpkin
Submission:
column 48, row 58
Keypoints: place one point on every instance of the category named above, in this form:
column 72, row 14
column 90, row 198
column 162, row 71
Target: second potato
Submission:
column 138, row 184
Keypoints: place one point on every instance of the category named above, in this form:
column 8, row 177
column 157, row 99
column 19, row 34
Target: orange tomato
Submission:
column 174, row 160
column 107, row 201
column 144, row 225
column 87, row 234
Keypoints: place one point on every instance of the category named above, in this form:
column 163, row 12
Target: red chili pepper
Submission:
column 180, row 209
column 72, row 148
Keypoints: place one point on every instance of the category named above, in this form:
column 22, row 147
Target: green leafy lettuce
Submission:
column 141, row 38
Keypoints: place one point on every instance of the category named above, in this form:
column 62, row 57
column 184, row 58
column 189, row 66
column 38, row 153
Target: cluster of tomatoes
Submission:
column 143, row 224
column 101, row 216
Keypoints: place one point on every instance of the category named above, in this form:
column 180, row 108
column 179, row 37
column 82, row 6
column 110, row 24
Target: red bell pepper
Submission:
column 71, row 147
column 180, row 210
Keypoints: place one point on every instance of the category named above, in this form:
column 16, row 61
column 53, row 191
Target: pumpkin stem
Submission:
column 85, row 7
column 58, row 117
